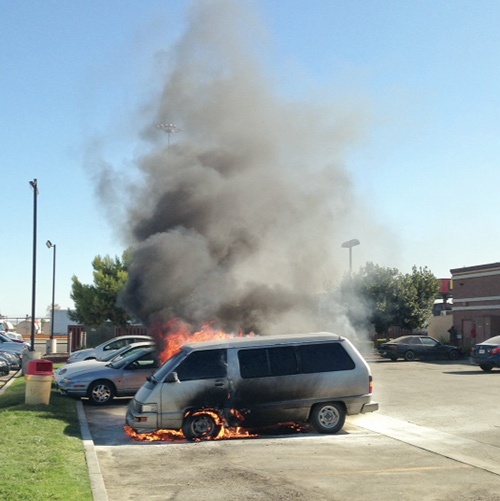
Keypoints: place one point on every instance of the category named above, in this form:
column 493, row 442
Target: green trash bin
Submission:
column 39, row 376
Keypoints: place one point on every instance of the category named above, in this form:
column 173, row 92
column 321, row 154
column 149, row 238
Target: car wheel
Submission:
column 328, row 418
column 101, row 392
column 409, row 356
column 453, row 355
column 200, row 426
column 486, row 368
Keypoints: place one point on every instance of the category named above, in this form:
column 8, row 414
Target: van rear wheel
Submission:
column 200, row 426
column 328, row 417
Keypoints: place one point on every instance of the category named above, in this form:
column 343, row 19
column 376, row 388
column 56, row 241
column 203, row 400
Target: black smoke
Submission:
column 239, row 220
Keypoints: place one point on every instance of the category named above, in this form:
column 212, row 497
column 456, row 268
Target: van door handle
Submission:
column 219, row 383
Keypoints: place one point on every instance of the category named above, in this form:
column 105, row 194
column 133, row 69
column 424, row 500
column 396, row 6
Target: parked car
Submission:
column 412, row 347
column 12, row 345
column 114, row 356
column 12, row 358
column 486, row 354
column 4, row 366
column 105, row 348
column 122, row 378
column 255, row 381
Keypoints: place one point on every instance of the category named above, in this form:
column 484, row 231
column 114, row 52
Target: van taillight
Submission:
column 371, row 385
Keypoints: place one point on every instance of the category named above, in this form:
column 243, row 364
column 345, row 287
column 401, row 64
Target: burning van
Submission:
column 253, row 382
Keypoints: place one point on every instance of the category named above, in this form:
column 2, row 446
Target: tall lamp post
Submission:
column 349, row 245
column 169, row 129
column 51, row 245
column 33, row 185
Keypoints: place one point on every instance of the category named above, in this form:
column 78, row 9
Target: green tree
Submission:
column 417, row 291
column 383, row 297
column 96, row 303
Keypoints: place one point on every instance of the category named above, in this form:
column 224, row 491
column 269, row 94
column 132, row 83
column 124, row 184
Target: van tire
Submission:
column 200, row 426
column 328, row 417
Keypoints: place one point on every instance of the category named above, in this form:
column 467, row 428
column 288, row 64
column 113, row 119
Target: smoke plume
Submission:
column 239, row 217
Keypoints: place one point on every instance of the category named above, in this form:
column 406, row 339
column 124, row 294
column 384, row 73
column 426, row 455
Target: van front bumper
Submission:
column 371, row 407
column 140, row 422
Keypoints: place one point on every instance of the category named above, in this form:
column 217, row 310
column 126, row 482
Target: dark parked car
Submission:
column 4, row 366
column 486, row 354
column 12, row 358
column 412, row 347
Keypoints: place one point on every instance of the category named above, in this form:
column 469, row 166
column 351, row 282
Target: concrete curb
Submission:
column 96, row 481
column 9, row 382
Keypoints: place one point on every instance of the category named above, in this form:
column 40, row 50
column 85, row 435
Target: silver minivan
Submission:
column 252, row 382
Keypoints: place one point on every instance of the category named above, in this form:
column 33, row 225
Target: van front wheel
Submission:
column 328, row 418
column 200, row 426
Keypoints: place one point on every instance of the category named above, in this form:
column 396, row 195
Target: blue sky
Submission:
column 423, row 75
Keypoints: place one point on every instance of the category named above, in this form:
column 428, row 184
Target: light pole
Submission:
column 49, row 245
column 349, row 245
column 169, row 129
column 34, row 185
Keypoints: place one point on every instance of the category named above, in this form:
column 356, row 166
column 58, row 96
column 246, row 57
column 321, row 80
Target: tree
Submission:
column 417, row 292
column 383, row 297
column 96, row 303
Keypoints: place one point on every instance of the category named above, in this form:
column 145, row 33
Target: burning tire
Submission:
column 101, row 392
column 328, row 418
column 201, row 426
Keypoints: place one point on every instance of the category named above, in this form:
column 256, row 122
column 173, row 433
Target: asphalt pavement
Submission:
column 427, row 442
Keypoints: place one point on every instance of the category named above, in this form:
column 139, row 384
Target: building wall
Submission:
column 476, row 302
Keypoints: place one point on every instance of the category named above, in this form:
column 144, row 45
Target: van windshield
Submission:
column 167, row 367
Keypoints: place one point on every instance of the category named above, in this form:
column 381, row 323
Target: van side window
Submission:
column 203, row 365
column 264, row 362
column 324, row 357
column 254, row 363
column 283, row 361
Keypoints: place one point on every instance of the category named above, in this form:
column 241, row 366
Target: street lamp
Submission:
column 33, row 185
column 349, row 245
column 169, row 129
column 49, row 245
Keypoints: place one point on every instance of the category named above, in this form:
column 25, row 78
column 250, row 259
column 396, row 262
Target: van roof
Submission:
column 253, row 341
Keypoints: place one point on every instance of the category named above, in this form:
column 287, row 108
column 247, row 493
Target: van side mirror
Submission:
column 172, row 378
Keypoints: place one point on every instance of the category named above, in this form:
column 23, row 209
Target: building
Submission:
column 476, row 303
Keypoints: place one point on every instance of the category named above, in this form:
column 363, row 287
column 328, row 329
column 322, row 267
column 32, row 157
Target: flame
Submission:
column 177, row 436
column 172, row 335
column 226, row 432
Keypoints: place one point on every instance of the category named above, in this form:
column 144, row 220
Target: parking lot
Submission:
column 435, row 437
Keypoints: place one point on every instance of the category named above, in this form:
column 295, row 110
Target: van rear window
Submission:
column 284, row 361
column 325, row 357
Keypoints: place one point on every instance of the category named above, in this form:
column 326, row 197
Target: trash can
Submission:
column 39, row 376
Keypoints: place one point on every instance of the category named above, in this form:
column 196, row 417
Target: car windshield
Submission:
column 117, row 353
column 118, row 364
column 402, row 339
column 126, row 352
